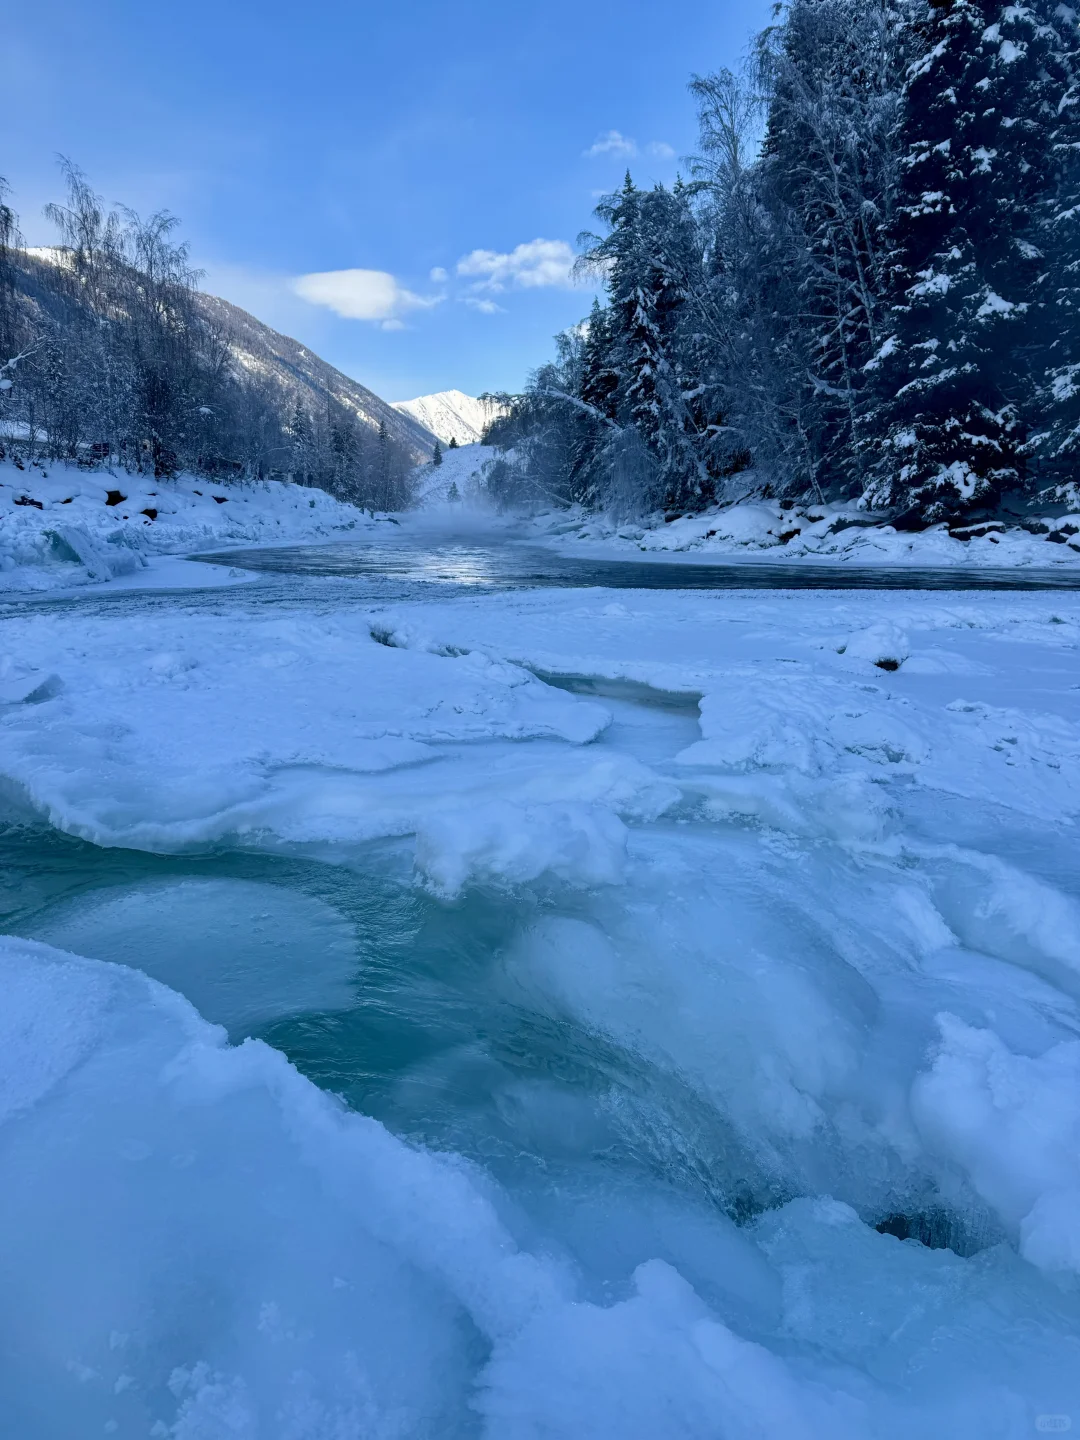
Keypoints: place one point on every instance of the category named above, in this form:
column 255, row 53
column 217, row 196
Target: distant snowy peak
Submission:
column 451, row 415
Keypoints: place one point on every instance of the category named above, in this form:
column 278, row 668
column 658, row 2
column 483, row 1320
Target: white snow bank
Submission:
column 62, row 526
column 195, row 1241
column 769, row 531
column 581, row 844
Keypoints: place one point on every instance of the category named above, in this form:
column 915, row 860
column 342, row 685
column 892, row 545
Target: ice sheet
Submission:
column 177, row 730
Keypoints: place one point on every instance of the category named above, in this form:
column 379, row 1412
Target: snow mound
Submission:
column 1012, row 1122
column 581, row 844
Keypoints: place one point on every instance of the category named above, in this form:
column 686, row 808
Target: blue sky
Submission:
column 405, row 159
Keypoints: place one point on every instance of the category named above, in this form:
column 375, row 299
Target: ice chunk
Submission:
column 177, row 730
column 656, row 1364
column 1012, row 1122
column 582, row 844
column 21, row 682
column 885, row 645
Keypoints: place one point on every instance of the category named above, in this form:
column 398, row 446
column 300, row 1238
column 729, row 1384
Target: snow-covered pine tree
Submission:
column 650, row 255
column 741, row 306
column 599, row 385
column 8, row 241
column 828, row 177
column 300, row 435
column 436, row 454
column 947, row 426
column 1055, row 245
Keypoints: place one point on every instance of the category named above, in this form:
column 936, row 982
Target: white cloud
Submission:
column 362, row 295
column 611, row 143
column 439, row 275
column 486, row 307
column 536, row 264
column 660, row 150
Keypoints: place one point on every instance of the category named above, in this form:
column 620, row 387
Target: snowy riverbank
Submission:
column 61, row 526
column 766, row 530
column 751, row 530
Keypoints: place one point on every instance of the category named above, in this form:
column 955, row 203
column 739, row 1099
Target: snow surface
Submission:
column 58, row 529
column 787, row 880
column 451, row 415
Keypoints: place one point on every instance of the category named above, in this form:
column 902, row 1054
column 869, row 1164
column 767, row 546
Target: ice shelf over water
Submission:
column 744, row 1104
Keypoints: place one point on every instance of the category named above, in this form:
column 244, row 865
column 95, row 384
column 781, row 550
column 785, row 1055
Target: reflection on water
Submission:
column 509, row 565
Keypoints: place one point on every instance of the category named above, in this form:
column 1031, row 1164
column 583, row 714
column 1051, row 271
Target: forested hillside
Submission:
column 110, row 356
column 867, row 286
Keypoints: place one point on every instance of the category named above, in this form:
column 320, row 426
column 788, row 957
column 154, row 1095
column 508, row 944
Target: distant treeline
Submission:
column 107, row 358
column 867, row 288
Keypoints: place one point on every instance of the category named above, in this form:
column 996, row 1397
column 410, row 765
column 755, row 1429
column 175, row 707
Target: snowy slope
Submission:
column 451, row 415
column 291, row 371
column 463, row 467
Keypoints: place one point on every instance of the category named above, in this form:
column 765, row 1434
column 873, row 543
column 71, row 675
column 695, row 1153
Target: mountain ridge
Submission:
column 451, row 415
column 299, row 373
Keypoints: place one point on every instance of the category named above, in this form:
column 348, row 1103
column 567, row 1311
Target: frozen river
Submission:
column 682, row 990
column 520, row 566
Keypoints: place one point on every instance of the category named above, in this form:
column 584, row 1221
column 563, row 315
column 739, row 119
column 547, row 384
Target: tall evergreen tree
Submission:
column 1054, row 244
column 637, row 366
column 882, row 299
column 828, row 177
column 948, row 427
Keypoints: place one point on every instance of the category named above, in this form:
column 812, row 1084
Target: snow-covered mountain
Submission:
column 451, row 415
column 286, row 371
column 295, row 372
